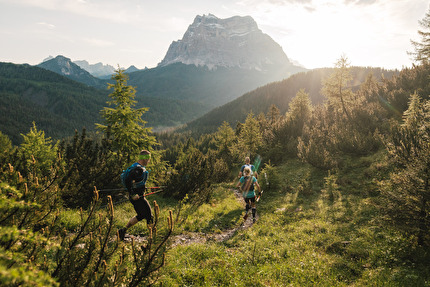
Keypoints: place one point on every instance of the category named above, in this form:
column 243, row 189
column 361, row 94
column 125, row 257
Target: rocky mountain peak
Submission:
column 97, row 70
column 232, row 42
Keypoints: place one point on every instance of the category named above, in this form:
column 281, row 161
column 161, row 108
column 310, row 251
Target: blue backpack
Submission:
column 125, row 174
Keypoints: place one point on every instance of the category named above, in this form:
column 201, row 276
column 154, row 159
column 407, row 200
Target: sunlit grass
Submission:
column 302, row 238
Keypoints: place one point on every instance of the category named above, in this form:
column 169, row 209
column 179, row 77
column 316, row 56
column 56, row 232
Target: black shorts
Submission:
column 250, row 200
column 142, row 208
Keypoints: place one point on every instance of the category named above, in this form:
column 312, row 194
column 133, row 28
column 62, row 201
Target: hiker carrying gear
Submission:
column 246, row 184
column 248, row 164
column 134, row 178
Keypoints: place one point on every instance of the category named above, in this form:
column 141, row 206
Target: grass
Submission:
column 314, row 229
column 302, row 237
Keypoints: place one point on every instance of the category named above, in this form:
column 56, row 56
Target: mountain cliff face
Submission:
column 233, row 42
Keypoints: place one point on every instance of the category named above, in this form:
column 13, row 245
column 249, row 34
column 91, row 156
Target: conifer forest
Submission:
column 345, row 202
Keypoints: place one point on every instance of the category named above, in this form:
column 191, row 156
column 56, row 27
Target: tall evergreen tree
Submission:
column 225, row 139
column 123, row 122
column 407, row 192
column 250, row 138
column 299, row 112
column 422, row 48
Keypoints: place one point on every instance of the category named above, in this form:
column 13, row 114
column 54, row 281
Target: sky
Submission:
column 313, row 33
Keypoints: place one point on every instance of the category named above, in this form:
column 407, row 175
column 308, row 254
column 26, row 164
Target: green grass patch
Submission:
column 302, row 238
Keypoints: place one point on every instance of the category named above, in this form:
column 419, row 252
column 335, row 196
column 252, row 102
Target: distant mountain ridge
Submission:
column 233, row 42
column 97, row 70
column 176, row 93
column 64, row 66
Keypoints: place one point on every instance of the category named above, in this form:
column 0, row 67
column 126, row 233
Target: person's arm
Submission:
column 241, row 172
column 258, row 186
column 239, row 183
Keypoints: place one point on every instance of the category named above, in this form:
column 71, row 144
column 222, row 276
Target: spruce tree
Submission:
column 422, row 48
column 123, row 122
column 407, row 192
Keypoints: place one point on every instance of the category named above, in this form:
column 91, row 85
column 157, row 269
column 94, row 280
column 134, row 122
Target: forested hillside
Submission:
column 58, row 105
column 210, row 88
column 345, row 202
column 279, row 94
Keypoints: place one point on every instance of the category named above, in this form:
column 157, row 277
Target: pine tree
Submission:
column 38, row 151
column 407, row 192
column 250, row 138
column 225, row 139
column 123, row 122
column 422, row 48
column 299, row 112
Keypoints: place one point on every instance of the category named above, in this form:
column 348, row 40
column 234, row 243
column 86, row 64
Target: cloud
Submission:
column 360, row 2
column 98, row 42
column 115, row 11
column 46, row 25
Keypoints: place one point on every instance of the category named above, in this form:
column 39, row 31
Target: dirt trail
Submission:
column 200, row 237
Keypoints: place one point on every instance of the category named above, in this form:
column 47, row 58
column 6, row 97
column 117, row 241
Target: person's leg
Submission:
column 143, row 210
column 147, row 211
column 247, row 207
column 253, row 208
column 131, row 222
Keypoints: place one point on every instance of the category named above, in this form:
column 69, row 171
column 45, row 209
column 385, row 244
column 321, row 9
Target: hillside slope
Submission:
column 56, row 104
column 278, row 93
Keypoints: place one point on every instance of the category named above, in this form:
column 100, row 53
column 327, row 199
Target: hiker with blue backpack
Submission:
column 247, row 183
column 134, row 179
column 248, row 164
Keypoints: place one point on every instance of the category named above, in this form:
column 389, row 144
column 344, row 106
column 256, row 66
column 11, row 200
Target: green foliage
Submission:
column 38, row 152
column 225, row 140
column 37, row 250
column 191, row 175
column 422, row 48
column 407, row 191
column 87, row 163
column 124, row 124
column 279, row 94
column 249, row 138
column 56, row 104
column 300, row 239
column 337, row 89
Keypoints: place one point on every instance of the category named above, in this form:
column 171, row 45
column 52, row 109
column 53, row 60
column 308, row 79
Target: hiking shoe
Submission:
column 246, row 216
column 121, row 233
column 254, row 220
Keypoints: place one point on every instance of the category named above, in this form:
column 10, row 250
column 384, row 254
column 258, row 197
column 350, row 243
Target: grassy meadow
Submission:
column 313, row 229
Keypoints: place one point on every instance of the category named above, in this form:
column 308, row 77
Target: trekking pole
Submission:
column 155, row 187
column 258, row 198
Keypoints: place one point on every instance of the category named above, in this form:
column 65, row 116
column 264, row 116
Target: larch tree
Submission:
column 336, row 88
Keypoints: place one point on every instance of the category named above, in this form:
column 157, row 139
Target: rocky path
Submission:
column 200, row 237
